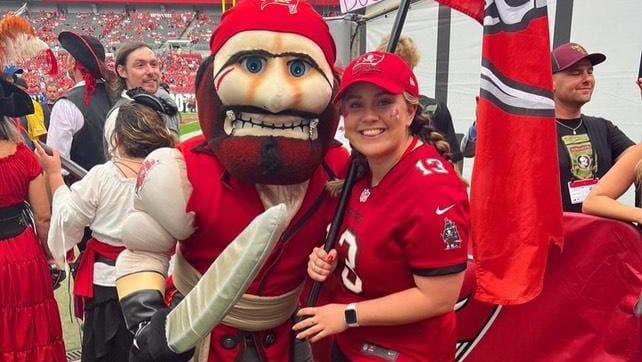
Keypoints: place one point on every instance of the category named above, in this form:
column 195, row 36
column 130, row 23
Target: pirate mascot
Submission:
column 246, row 202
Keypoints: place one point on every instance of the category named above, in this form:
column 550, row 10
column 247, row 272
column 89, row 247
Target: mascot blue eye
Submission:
column 253, row 64
column 298, row 68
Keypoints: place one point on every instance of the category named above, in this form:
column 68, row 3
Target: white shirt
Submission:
column 65, row 120
column 101, row 200
column 110, row 124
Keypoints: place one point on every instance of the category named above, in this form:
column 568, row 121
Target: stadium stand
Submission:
column 179, row 30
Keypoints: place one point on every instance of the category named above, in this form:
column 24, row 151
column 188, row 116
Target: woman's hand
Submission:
column 50, row 164
column 321, row 322
column 321, row 264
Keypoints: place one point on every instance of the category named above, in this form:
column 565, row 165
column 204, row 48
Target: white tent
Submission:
column 612, row 28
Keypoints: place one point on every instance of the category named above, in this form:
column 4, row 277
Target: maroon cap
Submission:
column 567, row 55
column 385, row 70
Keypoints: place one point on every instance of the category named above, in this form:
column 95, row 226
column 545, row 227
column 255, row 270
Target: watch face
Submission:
column 351, row 316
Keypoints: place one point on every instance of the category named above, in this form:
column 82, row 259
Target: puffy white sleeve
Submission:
column 159, row 218
column 72, row 210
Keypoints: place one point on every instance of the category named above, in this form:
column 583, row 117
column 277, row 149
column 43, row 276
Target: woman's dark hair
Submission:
column 139, row 130
column 8, row 131
column 121, row 59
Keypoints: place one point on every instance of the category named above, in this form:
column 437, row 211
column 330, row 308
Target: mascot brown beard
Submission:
column 246, row 202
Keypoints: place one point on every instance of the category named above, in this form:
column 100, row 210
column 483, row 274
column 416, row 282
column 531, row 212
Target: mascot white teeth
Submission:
column 246, row 202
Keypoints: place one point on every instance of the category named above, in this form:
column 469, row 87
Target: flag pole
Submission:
column 353, row 171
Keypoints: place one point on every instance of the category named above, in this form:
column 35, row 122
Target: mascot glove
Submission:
column 150, row 343
column 145, row 314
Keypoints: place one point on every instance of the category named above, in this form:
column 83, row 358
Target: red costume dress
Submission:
column 30, row 329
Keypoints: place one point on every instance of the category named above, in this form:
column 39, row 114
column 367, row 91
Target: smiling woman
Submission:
column 401, row 255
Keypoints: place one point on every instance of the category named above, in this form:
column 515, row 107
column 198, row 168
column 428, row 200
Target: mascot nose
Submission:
column 275, row 98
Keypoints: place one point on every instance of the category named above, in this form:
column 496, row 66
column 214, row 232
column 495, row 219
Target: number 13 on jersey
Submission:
column 349, row 275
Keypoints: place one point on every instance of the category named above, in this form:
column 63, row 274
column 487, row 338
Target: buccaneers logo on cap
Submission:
column 368, row 62
column 291, row 4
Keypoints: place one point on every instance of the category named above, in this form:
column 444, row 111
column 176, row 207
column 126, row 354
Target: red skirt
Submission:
column 30, row 329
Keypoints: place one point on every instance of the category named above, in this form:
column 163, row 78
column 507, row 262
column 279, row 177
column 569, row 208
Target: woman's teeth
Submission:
column 372, row 132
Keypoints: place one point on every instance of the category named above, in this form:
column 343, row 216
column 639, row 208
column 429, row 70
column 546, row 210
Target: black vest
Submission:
column 87, row 145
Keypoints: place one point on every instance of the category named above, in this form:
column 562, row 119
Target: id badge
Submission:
column 579, row 190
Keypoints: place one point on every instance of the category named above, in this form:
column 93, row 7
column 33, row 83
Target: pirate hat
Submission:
column 86, row 49
column 14, row 102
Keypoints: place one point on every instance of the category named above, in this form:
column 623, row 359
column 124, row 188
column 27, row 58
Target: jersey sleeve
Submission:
column 436, row 241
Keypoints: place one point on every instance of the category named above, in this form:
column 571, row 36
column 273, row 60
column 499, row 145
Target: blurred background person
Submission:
column 78, row 117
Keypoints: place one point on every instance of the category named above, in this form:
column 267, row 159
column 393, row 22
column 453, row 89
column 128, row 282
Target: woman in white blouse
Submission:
column 102, row 200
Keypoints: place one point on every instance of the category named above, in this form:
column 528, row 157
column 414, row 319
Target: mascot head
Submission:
column 265, row 95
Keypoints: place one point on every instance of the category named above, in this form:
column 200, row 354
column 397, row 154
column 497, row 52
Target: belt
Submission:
column 13, row 221
column 252, row 312
column 84, row 281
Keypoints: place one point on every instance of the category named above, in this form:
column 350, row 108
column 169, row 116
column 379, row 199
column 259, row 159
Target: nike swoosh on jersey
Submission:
column 443, row 211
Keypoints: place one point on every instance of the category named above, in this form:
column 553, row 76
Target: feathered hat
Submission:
column 19, row 42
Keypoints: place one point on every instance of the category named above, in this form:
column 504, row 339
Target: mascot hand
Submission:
column 145, row 313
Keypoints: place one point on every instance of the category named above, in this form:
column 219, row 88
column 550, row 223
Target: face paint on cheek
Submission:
column 394, row 114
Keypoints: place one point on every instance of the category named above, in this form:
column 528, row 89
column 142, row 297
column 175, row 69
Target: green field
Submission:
column 189, row 128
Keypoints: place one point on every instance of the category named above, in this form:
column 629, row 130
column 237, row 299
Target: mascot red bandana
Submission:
column 264, row 100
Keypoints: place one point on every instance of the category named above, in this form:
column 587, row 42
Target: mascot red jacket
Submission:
column 264, row 99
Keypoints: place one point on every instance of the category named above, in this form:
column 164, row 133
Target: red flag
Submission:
column 516, row 206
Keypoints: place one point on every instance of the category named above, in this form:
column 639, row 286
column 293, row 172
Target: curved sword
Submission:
column 225, row 281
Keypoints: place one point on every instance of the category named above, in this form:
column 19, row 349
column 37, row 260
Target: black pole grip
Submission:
column 69, row 165
column 335, row 226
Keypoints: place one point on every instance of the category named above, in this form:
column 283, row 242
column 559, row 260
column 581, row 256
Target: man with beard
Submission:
column 588, row 146
column 78, row 117
column 264, row 103
column 138, row 70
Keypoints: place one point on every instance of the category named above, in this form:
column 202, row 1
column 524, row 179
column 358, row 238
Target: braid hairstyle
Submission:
column 422, row 129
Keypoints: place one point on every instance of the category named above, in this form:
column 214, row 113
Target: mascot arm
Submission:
column 149, row 234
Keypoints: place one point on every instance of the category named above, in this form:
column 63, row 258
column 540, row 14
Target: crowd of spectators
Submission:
column 112, row 28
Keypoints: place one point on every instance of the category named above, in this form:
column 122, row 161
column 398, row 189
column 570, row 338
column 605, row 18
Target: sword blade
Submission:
column 225, row 281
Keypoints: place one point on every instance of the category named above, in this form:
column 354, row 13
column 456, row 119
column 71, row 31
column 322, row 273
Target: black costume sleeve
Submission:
column 618, row 140
column 145, row 314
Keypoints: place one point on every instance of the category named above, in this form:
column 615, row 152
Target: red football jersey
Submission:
column 415, row 222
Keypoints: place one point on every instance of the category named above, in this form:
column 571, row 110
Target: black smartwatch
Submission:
column 351, row 315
